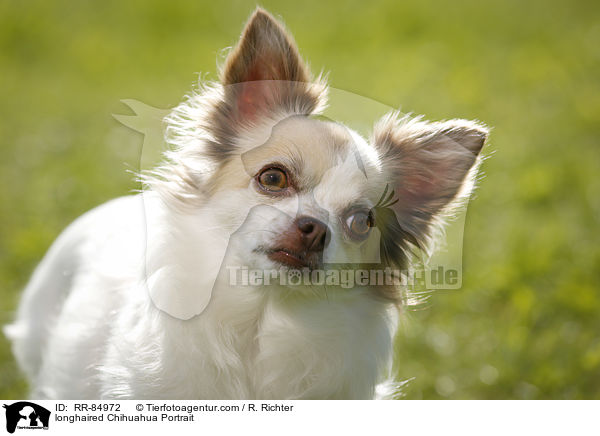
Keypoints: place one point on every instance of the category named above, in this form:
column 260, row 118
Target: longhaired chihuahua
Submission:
column 218, row 281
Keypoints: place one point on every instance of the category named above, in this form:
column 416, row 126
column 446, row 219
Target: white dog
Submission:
column 146, row 296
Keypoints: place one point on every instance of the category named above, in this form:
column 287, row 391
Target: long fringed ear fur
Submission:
column 430, row 166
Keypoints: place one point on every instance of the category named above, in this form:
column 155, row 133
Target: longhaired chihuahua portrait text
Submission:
column 194, row 288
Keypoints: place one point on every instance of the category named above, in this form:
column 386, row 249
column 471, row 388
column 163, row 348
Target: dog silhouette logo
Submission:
column 26, row 415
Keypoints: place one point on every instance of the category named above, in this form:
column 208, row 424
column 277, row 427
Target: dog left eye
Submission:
column 359, row 224
column 273, row 179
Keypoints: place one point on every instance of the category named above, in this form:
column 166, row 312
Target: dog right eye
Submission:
column 359, row 224
column 273, row 180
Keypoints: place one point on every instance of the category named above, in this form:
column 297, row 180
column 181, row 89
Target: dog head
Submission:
column 301, row 191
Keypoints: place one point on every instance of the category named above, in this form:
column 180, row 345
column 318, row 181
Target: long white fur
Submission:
column 86, row 327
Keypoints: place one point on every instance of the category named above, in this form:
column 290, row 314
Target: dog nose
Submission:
column 313, row 233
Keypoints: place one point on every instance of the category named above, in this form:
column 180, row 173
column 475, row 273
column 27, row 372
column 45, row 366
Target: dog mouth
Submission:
column 293, row 259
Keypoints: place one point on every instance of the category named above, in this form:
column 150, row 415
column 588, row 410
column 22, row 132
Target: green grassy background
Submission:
column 526, row 323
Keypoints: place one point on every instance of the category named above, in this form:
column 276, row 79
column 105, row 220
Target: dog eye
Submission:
column 273, row 179
column 359, row 224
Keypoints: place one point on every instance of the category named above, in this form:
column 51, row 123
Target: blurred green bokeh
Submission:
column 526, row 323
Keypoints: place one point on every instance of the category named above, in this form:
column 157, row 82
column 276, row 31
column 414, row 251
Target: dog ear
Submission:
column 264, row 52
column 431, row 166
column 264, row 72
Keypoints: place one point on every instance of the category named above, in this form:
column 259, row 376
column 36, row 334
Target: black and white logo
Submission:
column 26, row 415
